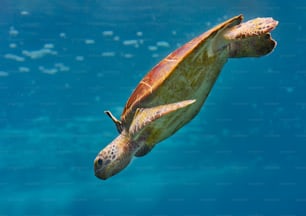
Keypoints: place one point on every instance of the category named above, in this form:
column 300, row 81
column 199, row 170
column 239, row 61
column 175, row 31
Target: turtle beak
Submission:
column 99, row 169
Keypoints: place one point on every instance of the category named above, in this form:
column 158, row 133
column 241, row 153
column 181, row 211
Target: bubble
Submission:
column 90, row 41
column 24, row 69
column 108, row 54
column 50, row 71
column 24, row 13
column 128, row 55
column 35, row 54
column 289, row 89
column 155, row 55
column 62, row 35
column 12, row 45
column 79, row 58
column 61, row 67
column 3, row 74
column 130, row 42
column 152, row 48
column 13, row 31
column 162, row 44
column 108, row 33
column 116, row 38
column 139, row 34
column 14, row 57
column 49, row 46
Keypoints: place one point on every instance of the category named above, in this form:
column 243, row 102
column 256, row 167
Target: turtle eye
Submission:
column 100, row 162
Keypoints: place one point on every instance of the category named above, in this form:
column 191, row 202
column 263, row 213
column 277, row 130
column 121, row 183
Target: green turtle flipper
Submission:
column 146, row 116
column 145, row 119
column 115, row 120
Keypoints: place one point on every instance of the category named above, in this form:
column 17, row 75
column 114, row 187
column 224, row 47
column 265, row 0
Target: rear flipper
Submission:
column 251, row 39
column 255, row 46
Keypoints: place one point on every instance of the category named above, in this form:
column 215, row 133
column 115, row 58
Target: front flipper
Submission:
column 115, row 120
column 144, row 123
column 145, row 116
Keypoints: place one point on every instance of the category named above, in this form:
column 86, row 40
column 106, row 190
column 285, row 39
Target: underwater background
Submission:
column 62, row 63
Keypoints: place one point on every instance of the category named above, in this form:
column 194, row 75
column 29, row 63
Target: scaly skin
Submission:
column 115, row 156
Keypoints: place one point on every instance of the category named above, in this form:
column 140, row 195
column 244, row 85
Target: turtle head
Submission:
column 114, row 157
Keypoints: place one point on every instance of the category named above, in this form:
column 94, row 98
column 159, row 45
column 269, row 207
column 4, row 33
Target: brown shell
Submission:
column 162, row 71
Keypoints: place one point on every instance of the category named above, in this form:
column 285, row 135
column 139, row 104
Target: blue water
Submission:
column 62, row 63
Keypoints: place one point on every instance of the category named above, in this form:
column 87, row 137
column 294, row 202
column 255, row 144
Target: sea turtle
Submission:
column 173, row 92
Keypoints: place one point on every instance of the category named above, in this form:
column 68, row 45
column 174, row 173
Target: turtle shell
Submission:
column 149, row 93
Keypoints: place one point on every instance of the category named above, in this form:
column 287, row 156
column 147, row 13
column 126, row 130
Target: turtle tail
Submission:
column 251, row 39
